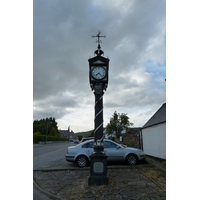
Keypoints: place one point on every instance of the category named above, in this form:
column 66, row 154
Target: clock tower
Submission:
column 98, row 70
column 98, row 78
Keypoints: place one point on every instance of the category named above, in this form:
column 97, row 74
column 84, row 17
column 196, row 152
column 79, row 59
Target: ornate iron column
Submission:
column 98, row 121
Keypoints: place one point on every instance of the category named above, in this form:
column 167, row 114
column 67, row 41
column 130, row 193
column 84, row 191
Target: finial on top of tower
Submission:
column 99, row 51
column 98, row 36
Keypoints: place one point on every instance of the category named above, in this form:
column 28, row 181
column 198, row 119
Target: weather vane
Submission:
column 98, row 36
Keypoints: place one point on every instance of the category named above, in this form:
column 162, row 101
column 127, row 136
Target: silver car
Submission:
column 115, row 152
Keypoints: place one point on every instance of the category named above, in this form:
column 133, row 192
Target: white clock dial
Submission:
column 98, row 73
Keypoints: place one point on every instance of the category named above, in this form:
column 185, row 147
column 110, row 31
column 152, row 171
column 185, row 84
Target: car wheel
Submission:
column 81, row 161
column 131, row 159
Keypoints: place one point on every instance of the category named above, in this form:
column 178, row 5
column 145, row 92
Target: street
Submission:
column 46, row 156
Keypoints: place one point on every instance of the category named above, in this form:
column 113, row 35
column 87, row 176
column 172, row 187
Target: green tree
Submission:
column 118, row 122
column 53, row 132
column 45, row 125
column 91, row 134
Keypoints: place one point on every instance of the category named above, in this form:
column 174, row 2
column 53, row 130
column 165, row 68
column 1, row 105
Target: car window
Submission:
column 91, row 144
column 108, row 144
column 88, row 145
column 85, row 139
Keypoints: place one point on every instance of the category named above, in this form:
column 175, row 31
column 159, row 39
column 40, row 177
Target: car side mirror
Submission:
column 118, row 147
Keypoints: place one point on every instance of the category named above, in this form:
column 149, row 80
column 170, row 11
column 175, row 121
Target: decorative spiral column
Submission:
column 98, row 120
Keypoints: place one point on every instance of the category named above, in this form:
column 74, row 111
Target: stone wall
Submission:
column 131, row 138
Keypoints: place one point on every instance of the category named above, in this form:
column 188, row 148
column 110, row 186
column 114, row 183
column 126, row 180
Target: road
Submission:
column 48, row 156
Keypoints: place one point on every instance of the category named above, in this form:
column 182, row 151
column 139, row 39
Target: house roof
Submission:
column 66, row 133
column 158, row 118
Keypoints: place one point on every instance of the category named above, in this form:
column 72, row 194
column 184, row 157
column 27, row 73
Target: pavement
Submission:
column 125, row 182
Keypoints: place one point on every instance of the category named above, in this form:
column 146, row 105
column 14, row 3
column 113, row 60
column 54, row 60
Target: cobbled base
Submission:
column 123, row 184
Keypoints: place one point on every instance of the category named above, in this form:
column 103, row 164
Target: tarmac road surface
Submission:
column 50, row 155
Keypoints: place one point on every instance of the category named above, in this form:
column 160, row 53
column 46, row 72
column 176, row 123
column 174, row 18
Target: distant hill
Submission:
column 84, row 134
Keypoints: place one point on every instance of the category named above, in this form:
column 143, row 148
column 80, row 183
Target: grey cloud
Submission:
column 62, row 101
column 49, row 112
column 124, row 83
column 54, row 106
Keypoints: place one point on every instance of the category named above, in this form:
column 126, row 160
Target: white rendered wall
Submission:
column 154, row 141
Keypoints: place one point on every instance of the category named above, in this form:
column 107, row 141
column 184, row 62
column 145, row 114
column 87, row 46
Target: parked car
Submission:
column 87, row 138
column 115, row 152
column 76, row 142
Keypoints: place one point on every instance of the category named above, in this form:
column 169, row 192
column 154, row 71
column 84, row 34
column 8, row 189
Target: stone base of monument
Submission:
column 98, row 167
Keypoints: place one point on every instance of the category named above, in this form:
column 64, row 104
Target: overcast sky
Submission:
column 62, row 44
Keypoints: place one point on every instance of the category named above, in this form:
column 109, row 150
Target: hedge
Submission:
column 42, row 138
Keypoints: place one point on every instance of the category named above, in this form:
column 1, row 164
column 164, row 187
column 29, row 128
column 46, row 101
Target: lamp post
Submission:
column 98, row 77
column 46, row 132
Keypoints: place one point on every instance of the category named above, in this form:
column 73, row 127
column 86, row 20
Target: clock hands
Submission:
column 99, row 74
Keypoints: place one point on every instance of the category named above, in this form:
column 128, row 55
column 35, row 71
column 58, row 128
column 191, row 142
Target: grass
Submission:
column 158, row 172
column 156, row 175
column 157, row 162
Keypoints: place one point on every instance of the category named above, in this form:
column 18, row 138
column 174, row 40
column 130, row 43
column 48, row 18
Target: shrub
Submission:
column 42, row 138
column 39, row 138
column 35, row 135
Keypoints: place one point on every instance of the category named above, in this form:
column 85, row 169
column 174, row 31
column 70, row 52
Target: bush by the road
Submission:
column 35, row 135
column 42, row 138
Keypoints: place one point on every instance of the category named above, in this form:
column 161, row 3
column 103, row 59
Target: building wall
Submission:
column 154, row 140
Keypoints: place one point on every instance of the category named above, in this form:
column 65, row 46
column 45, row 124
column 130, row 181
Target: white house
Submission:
column 153, row 134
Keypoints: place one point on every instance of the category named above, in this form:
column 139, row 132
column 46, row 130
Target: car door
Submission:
column 113, row 151
column 88, row 148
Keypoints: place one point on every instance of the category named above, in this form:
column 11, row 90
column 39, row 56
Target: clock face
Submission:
column 98, row 73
